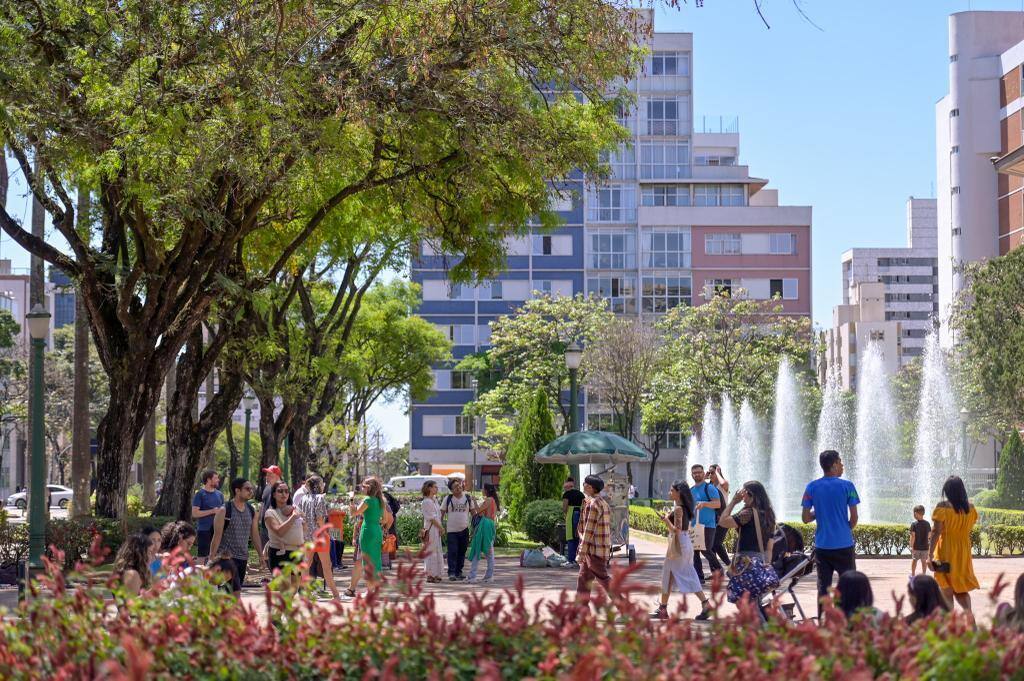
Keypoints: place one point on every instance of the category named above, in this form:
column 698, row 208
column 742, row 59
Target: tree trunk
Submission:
column 149, row 464
column 81, row 468
column 209, row 459
column 229, row 437
column 655, row 453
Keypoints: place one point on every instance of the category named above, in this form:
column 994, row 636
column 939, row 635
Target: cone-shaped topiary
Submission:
column 522, row 479
column 1010, row 482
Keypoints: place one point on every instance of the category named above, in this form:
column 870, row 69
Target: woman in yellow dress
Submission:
column 952, row 522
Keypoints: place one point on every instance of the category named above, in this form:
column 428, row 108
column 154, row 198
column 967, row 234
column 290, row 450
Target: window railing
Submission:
column 717, row 124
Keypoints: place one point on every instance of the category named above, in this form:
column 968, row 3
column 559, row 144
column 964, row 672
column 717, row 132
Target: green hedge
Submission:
column 540, row 518
column 1000, row 516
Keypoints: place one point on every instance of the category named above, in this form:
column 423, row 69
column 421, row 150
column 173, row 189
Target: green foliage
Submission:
column 12, row 368
column 540, row 518
column 528, row 353
column 1010, row 482
column 522, row 479
column 999, row 516
column 1003, row 539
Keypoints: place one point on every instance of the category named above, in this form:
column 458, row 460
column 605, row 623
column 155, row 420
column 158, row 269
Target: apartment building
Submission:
column 680, row 216
column 855, row 324
column 978, row 145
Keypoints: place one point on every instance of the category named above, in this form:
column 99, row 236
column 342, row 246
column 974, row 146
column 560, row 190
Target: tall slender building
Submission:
column 679, row 217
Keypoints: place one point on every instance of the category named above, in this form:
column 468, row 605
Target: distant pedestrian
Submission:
column 300, row 492
column 284, row 527
column 430, row 535
column 751, row 573
column 387, row 557
column 595, row 539
column 234, row 526
column 953, row 520
column 707, row 501
column 831, row 502
column 205, row 504
column 925, row 598
column 632, row 494
column 717, row 479
column 272, row 476
column 314, row 514
column 482, row 544
column 572, row 504
column 336, row 518
column 920, row 531
column 456, row 511
column 374, row 512
column 678, row 567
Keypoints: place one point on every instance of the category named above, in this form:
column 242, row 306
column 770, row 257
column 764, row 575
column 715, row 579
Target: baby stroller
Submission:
column 791, row 562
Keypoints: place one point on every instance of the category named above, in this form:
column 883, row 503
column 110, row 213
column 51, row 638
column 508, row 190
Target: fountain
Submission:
column 936, row 448
column 726, row 456
column 708, row 437
column 790, row 469
column 833, row 422
column 749, row 446
column 878, row 431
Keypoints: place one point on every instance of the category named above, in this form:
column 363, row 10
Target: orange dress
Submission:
column 954, row 547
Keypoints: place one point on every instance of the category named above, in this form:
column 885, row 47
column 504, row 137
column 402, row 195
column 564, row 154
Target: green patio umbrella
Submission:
column 591, row 446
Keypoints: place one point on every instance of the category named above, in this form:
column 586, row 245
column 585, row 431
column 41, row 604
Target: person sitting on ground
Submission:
column 925, row 598
column 855, row 595
column 176, row 540
column 1012, row 616
column 132, row 563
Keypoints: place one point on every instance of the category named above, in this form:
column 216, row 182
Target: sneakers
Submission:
column 705, row 613
column 661, row 613
column 488, row 580
column 452, row 578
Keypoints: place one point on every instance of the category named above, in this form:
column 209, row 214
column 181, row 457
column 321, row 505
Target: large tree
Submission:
column 210, row 127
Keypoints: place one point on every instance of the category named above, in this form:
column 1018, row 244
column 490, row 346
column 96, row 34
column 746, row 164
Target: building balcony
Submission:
column 1010, row 164
column 730, row 173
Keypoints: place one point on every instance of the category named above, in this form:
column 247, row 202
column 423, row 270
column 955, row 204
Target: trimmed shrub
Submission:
column 999, row 516
column 1010, row 482
column 1003, row 539
column 540, row 519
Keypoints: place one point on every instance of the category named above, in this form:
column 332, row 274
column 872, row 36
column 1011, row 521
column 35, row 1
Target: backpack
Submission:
column 229, row 507
column 721, row 499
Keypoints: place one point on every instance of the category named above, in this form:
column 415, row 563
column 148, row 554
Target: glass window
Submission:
column 665, row 195
column 666, row 248
column 729, row 243
column 669, row 64
column 620, row 292
column 718, row 286
column 612, row 250
column 541, row 244
column 664, row 160
column 605, row 422
column 462, row 380
column 463, row 425
column 713, row 160
column 733, row 195
column 663, row 116
column 790, row 288
column 774, row 288
column 706, row 195
column 622, row 162
column 661, row 294
column 612, row 203
column 782, row 244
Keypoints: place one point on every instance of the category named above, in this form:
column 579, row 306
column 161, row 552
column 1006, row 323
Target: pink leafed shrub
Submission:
column 194, row 630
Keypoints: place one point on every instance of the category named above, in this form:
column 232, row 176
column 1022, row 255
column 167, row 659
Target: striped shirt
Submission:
column 595, row 528
column 237, row 531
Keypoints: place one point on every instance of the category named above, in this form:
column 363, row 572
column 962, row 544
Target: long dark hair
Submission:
column 175, row 532
column 685, row 499
column 134, row 555
column 854, row 592
column 927, row 598
column 273, row 494
column 1014, row 617
column 762, row 503
column 492, row 492
column 955, row 493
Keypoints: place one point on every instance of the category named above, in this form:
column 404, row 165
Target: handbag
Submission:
column 390, row 544
column 752, row 575
column 674, row 549
column 697, row 537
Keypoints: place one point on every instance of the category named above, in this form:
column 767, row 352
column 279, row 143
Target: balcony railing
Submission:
column 717, row 124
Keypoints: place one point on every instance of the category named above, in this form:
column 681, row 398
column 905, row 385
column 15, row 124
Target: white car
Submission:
column 59, row 496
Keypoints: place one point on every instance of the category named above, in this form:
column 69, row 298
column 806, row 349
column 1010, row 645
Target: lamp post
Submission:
column 573, row 357
column 248, row 402
column 38, row 320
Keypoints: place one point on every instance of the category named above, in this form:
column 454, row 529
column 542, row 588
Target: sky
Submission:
column 836, row 110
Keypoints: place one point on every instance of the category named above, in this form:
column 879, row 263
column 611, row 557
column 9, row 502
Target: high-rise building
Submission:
column 980, row 211
column 679, row 216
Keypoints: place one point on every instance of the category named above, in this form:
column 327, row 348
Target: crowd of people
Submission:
column 287, row 528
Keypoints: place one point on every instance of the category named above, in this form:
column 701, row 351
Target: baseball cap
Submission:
column 276, row 470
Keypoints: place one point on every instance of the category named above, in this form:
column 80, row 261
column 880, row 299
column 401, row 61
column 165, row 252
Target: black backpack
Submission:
column 229, row 507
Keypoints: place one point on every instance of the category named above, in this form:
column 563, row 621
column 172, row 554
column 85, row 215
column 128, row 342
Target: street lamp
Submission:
column 248, row 402
column 573, row 357
column 38, row 320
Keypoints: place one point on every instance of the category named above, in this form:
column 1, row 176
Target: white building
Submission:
column 979, row 120
column 855, row 324
column 908, row 273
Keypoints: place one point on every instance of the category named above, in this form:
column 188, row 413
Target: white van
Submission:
column 414, row 483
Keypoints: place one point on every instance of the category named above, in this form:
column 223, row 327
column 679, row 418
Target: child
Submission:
column 920, row 529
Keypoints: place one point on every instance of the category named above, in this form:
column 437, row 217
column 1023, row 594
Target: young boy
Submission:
column 919, row 531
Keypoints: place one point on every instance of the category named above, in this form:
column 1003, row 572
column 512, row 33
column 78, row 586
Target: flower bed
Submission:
column 196, row 631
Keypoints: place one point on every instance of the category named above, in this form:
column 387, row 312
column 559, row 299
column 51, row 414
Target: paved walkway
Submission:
column 888, row 577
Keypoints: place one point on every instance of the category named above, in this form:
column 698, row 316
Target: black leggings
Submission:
column 718, row 548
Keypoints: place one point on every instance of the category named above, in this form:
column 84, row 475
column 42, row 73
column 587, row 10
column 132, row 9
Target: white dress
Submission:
column 433, row 562
column 680, row 569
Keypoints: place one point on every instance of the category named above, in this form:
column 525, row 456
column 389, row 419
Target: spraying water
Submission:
column 727, row 437
column 750, row 457
column 789, row 462
column 834, row 427
column 878, row 431
column 936, row 449
column 709, row 436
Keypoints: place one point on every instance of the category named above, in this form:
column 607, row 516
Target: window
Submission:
column 956, row 231
column 877, row 335
column 953, row 58
column 782, row 244
column 713, row 160
column 622, row 162
column 664, row 160
column 664, row 248
column 955, row 149
column 542, row 245
column 613, row 203
column 953, row 113
column 790, row 288
column 552, row 244
column 706, row 195
column 436, row 425
column 663, row 116
column 954, row 189
column 665, row 195
column 620, row 292
column 672, row 439
column 661, row 294
column 459, row 334
column 492, row 290
column 774, row 288
column 733, row 195
column 718, row 287
column 612, row 250
column 462, row 380
column 463, row 425
column 669, row 64
column 460, row 292
column 605, row 422
column 729, row 243
column 543, row 285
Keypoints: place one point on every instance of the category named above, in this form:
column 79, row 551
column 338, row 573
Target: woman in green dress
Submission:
column 371, row 535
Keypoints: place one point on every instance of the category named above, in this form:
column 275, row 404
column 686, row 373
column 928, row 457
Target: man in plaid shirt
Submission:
column 595, row 531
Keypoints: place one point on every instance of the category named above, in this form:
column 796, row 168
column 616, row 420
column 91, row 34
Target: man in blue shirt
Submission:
column 205, row 504
column 831, row 502
column 707, row 500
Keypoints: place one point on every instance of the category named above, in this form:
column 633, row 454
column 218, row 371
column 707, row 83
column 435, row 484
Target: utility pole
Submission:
column 36, row 296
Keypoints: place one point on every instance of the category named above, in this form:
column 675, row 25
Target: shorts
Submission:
column 922, row 555
column 279, row 558
column 203, row 540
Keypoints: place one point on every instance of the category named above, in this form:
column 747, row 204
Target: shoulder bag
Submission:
column 752, row 575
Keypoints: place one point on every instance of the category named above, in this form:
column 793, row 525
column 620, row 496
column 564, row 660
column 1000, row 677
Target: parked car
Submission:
column 414, row 483
column 59, row 496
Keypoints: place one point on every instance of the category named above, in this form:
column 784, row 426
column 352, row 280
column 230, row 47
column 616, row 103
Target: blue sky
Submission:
column 841, row 118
